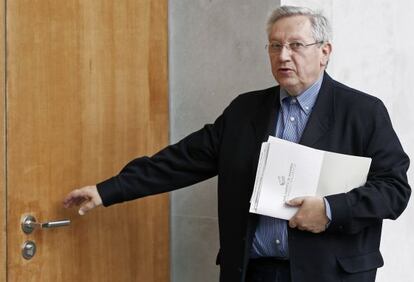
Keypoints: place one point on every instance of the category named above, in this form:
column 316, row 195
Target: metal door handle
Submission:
column 29, row 224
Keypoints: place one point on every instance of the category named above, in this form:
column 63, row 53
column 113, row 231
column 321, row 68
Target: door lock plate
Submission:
column 28, row 250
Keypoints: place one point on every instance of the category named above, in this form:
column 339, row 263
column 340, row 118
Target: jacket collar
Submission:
column 320, row 120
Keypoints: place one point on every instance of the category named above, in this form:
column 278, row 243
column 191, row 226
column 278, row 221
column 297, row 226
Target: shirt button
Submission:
column 292, row 119
column 306, row 108
column 277, row 241
column 294, row 101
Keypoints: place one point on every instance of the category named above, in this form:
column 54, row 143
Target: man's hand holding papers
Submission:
column 311, row 215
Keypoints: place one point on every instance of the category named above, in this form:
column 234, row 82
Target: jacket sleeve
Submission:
column 386, row 192
column 189, row 161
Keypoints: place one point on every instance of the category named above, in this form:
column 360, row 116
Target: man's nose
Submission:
column 285, row 54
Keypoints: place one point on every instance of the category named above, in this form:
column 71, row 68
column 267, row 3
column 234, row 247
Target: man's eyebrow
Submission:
column 292, row 39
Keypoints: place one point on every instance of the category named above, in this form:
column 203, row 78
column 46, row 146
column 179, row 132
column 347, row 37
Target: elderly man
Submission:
column 335, row 238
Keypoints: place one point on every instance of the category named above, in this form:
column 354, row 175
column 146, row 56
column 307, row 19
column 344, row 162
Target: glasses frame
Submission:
column 290, row 46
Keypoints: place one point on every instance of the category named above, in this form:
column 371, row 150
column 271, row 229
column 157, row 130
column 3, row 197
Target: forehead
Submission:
column 294, row 27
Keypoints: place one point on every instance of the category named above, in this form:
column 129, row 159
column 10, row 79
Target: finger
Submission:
column 316, row 231
column 86, row 206
column 77, row 197
column 70, row 202
column 67, row 201
column 73, row 201
column 72, row 196
column 296, row 201
column 79, row 201
column 302, row 228
column 292, row 223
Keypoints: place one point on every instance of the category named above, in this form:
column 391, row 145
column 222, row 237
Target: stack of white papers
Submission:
column 287, row 170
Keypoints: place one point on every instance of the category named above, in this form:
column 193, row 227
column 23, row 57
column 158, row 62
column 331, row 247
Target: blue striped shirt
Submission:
column 270, row 238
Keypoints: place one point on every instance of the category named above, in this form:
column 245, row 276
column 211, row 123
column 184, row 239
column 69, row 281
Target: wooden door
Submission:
column 86, row 91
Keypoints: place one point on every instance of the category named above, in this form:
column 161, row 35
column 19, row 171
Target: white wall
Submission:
column 373, row 52
column 217, row 51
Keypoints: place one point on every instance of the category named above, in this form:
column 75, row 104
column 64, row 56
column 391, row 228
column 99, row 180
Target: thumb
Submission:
column 86, row 206
column 295, row 202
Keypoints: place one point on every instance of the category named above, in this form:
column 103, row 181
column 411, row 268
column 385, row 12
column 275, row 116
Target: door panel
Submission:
column 86, row 92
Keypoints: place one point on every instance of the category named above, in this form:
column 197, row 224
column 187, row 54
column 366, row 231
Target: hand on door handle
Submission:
column 87, row 198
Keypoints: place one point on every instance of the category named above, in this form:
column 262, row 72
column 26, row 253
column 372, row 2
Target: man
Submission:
column 335, row 238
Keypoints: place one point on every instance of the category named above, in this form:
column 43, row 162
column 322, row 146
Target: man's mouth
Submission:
column 284, row 70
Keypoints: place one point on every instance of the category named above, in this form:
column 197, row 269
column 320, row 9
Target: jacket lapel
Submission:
column 322, row 116
column 264, row 122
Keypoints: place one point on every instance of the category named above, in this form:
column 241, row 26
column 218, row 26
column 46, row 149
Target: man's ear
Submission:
column 326, row 52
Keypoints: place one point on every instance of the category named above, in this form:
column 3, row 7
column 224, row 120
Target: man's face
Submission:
column 296, row 70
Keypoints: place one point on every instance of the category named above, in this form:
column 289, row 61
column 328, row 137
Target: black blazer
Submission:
column 343, row 120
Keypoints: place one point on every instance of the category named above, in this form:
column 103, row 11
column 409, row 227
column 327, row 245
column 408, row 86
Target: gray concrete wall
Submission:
column 216, row 52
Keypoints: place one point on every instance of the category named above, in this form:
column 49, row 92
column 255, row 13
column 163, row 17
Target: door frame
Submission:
column 3, row 189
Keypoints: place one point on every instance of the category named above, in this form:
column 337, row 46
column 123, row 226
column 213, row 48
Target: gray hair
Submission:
column 321, row 28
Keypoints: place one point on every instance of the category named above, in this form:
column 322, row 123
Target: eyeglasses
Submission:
column 276, row 47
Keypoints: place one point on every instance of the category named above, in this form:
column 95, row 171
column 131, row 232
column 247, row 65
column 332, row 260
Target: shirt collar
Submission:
column 307, row 98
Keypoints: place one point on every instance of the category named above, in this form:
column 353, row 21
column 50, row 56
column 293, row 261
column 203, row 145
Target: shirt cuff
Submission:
column 328, row 211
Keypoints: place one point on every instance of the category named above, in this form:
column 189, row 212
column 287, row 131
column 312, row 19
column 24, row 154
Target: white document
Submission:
column 287, row 170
